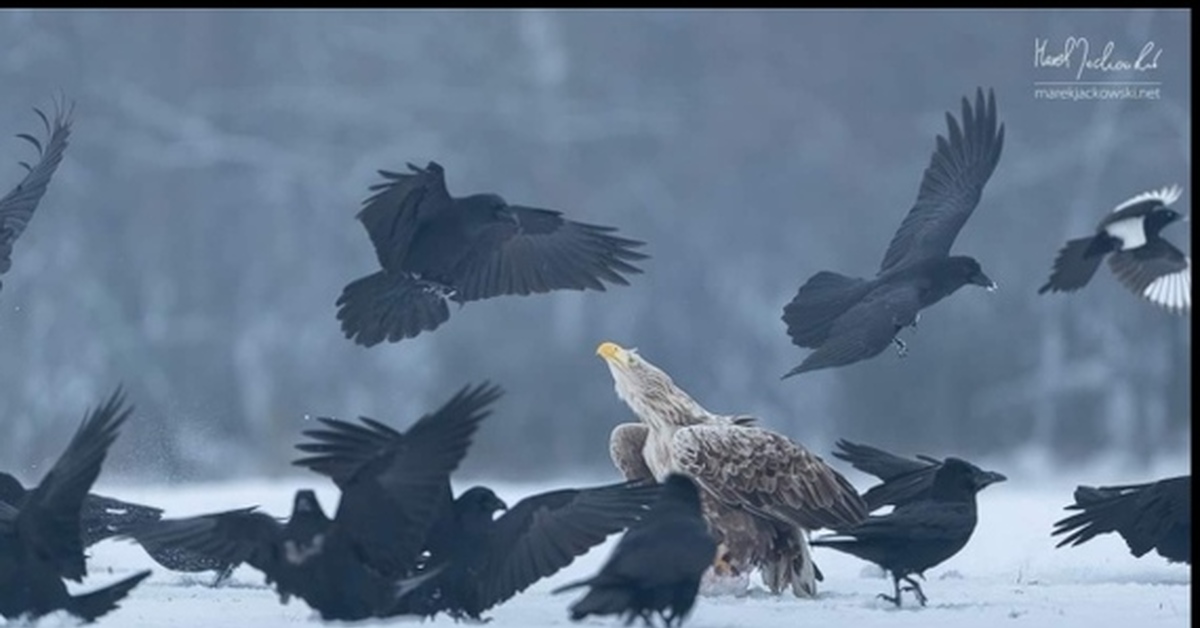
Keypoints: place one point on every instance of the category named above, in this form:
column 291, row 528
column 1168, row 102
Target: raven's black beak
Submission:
column 987, row 478
column 983, row 280
column 499, row 505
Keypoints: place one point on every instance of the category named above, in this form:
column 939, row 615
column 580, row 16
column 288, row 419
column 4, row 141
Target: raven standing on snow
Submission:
column 919, row 534
column 434, row 247
column 40, row 538
column 657, row 566
column 1142, row 260
column 17, row 207
column 1152, row 516
column 848, row 319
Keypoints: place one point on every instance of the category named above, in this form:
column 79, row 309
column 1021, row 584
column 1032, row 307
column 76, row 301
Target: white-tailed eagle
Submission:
column 762, row 491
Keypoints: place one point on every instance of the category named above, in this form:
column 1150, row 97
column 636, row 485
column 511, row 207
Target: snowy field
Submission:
column 1008, row 575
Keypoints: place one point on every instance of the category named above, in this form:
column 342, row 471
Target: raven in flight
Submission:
column 1142, row 260
column 919, row 534
column 1152, row 516
column 849, row 319
column 17, row 207
column 657, row 566
column 486, row 561
column 40, row 538
column 904, row 480
column 355, row 565
column 434, row 247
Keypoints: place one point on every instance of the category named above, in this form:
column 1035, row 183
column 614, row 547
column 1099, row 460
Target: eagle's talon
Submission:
column 901, row 347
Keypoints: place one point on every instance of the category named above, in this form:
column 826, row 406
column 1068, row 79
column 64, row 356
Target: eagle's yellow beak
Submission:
column 612, row 352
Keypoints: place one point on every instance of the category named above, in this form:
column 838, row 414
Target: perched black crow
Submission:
column 848, row 319
column 354, row 566
column 434, row 247
column 904, row 479
column 1142, row 260
column 656, row 567
column 918, row 534
column 487, row 561
column 17, row 207
column 1155, row 515
column 101, row 516
column 40, row 539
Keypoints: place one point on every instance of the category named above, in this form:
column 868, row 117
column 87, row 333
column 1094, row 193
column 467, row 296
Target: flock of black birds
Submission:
column 400, row 543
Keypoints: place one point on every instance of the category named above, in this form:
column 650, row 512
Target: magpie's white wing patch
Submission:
column 1166, row 195
column 1130, row 231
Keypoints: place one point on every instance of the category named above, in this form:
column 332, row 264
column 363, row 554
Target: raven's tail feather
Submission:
column 1077, row 262
column 819, row 302
column 391, row 307
column 92, row 606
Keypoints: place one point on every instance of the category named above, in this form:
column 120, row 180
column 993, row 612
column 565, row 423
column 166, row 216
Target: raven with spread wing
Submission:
column 849, row 319
column 100, row 518
column 434, row 248
column 41, row 541
column 355, row 565
column 486, row 561
column 17, row 207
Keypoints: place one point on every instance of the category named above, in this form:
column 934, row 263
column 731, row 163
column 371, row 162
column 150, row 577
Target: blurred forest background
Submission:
column 202, row 225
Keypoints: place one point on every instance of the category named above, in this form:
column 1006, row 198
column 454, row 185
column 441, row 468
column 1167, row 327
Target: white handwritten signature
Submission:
column 1146, row 60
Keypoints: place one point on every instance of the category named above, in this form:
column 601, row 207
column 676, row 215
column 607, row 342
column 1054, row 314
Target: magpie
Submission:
column 1142, row 260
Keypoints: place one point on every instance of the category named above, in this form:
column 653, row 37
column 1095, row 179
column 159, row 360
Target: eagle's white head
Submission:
column 649, row 392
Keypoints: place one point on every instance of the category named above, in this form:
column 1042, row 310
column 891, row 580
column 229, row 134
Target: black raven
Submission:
column 919, row 534
column 100, row 517
column 355, row 565
column 849, row 319
column 904, row 479
column 17, row 207
column 1155, row 515
column 487, row 561
column 434, row 247
column 657, row 566
column 1141, row 259
column 40, row 539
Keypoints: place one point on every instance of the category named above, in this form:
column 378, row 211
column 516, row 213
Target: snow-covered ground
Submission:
column 1010, row 574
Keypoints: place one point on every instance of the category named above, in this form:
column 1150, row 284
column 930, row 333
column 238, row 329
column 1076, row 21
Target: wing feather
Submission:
column 952, row 184
column 540, row 252
column 398, row 205
column 769, row 474
column 17, row 207
column 625, row 446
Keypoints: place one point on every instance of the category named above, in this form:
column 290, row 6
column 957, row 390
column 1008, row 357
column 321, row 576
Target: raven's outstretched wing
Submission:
column 389, row 502
column 398, row 205
column 17, row 207
column 50, row 515
column 951, row 186
column 544, row 533
column 540, row 251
